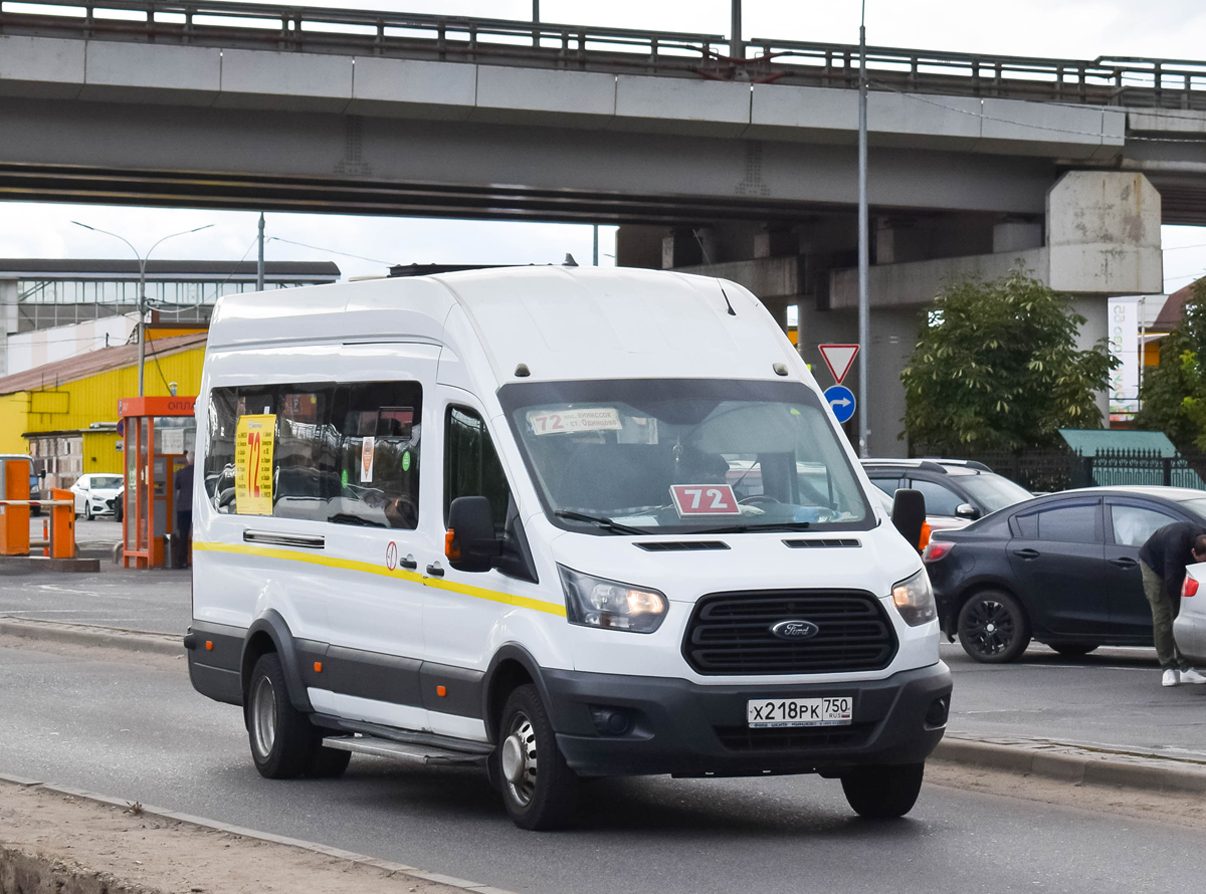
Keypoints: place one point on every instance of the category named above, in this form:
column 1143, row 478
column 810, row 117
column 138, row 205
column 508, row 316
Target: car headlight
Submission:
column 914, row 599
column 611, row 605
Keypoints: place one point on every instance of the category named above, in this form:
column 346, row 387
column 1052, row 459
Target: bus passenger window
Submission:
column 380, row 431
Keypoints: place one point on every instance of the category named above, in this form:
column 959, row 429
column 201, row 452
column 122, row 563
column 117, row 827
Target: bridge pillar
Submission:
column 8, row 319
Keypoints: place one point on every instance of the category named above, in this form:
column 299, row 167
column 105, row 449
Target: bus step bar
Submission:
column 403, row 751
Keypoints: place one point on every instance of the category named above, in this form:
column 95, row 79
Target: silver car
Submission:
column 1189, row 629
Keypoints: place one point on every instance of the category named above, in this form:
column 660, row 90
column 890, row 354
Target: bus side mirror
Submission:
column 908, row 514
column 470, row 544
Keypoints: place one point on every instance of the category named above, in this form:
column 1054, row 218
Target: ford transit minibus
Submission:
column 555, row 522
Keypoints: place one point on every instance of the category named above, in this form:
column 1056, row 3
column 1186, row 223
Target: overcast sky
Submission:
column 1063, row 28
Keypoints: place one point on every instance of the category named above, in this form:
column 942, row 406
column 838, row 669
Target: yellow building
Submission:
column 64, row 413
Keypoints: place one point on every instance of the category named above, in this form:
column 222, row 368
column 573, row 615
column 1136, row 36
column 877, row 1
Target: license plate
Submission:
column 773, row 713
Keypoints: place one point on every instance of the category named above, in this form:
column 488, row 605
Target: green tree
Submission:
column 996, row 368
column 1174, row 393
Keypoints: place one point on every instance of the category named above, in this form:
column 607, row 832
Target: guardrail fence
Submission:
column 1125, row 81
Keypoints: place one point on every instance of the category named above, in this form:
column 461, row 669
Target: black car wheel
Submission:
column 1073, row 650
column 993, row 627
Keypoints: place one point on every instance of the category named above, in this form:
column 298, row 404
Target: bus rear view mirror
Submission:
column 908, row 514
column 471, row 544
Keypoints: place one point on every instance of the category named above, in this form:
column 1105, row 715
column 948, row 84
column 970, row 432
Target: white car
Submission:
column 1189, row 629
column 96, row 494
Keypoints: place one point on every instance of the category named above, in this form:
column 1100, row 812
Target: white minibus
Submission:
column 555, row 522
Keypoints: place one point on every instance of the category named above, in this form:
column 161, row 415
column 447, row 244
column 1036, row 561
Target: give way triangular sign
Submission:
column 839, row 359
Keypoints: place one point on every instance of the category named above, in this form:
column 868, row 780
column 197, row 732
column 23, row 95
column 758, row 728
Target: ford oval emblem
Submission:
column 795, row 629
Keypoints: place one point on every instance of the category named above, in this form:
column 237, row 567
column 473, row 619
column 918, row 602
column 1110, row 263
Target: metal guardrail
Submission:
column 1130, row 81
column 1126, row 81
column 319, row 29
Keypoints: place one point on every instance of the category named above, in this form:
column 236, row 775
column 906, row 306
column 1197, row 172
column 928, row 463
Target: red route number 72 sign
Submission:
column 704, row 499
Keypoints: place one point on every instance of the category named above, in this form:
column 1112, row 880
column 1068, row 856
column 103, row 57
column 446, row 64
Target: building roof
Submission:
column 102, row 360
column 1174, row 308
column 190, row 271
column 1089, row 441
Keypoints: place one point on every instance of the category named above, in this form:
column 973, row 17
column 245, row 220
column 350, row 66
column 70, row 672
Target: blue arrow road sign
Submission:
column 841, row 401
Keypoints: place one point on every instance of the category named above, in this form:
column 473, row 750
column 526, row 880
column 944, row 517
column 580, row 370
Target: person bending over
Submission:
column 1162, row 562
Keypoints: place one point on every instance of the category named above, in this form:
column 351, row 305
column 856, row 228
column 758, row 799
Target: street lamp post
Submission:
column 864, row 307
column 142, row 291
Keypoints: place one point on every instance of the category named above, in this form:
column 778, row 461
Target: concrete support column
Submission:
column 681, row 249
column 8, row 319
column 1096, row 311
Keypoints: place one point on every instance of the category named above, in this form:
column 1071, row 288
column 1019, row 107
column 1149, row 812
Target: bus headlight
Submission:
column 611, row 605
column 914, row 599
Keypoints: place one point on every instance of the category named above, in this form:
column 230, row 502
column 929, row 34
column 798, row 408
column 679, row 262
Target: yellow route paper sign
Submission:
column 254, row 439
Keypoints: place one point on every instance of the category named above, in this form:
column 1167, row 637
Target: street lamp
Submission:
column 142, row 289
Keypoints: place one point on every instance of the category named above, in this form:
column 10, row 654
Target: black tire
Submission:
column 327, row 763
column 993, row 627
column 883, row 792
column 88, row 512
column 526, row 744
column 283, row 741
column 1074, row 650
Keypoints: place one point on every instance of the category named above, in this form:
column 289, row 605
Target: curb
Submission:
column 1064, row 762
column 83, row 635
column 267, row 837
column 1078, row 764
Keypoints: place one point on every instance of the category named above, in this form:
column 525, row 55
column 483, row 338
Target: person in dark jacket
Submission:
column 1162, row 562
column 183, row 498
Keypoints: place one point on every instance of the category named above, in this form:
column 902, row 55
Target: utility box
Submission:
column 14, row 516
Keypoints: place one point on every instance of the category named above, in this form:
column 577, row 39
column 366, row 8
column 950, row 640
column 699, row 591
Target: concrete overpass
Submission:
column 740, row 162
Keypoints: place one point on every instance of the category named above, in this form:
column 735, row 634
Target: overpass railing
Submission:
column 1130, row 81
column 1126, row 81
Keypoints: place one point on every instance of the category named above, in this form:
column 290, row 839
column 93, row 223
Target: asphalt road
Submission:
column 138, row 732
column 1112, row 697
column 156, row 601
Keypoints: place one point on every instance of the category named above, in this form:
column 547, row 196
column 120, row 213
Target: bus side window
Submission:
column 471, row 465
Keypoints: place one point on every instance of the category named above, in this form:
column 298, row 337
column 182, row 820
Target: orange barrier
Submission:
column 14, row 517
column 62, row 524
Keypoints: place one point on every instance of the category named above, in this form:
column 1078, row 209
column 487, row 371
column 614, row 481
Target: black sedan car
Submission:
column 1061, row 569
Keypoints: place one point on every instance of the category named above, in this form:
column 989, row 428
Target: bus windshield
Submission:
column 670, row 455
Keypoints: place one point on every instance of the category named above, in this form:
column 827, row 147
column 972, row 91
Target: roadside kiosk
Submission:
column 157, row 432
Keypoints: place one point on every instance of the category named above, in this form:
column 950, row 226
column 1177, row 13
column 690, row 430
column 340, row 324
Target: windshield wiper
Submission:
column 605, row 523
column 768, row 526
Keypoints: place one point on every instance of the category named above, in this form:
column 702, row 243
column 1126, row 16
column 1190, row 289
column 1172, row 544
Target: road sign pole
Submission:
column 864, row 312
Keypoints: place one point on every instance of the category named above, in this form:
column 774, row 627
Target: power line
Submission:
column 330, row 251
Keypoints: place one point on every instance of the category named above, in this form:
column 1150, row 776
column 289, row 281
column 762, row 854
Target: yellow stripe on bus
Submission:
column 288, row 555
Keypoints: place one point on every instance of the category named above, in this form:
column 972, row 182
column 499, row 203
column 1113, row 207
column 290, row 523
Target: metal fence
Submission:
column 1054, row 469
column 1123, row 81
